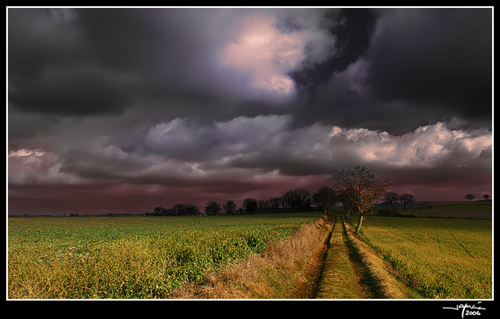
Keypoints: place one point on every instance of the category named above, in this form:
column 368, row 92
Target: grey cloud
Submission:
column 422, row 66
column 23, row 125
column 351, row 29
column 185, row 150
column 37, row 38
column 139, row 97
column 53, row 70
column 437, row 58
column 76, row 91
column 184, row 140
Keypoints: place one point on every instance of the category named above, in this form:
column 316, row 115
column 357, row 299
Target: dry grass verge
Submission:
column 282, row 271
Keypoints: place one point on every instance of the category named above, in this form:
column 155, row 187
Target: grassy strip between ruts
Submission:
column 338, row 280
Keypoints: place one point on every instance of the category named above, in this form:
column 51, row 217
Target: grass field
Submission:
column 481, row 210
column 131, row 257
column 169, row 257
column 440, row 258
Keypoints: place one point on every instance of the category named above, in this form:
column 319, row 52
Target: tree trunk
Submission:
column 361, row 218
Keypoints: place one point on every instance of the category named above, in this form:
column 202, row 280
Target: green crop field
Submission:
column 131, row 257
column 482, row 210
column 147, row 257
column 443, row 258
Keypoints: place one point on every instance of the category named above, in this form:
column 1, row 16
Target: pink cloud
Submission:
column 427, row 146
column 266, row 54
column 36, row 167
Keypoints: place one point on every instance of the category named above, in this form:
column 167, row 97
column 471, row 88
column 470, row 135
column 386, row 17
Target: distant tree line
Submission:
column 177, row 210
column 296, row 199
column 392, row 198
column 355, row 188
column 470, row 197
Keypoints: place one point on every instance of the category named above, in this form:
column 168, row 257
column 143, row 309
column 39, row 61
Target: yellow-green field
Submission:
column 131, row 257
column 482, row 210
column 440, row 258
column 150, row 257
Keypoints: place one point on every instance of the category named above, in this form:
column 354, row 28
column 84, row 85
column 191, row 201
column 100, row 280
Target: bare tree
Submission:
column 159, row 211
column 264, row 204
column 185, row 209
column 325, row 198
column 297, row 198
column 359, row 185
column 287, row 199
column 250, row 204
column 229, row 207
column 301, row 197
column 275, row 202
column 406, row 199
column 391, row 198
column 470, row 197
column 269, row 203
column 213, row 208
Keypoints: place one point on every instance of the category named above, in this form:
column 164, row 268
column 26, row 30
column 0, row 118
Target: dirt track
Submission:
column 351, row 269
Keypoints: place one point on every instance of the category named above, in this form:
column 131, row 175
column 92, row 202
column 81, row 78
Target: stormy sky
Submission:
column 121, row 110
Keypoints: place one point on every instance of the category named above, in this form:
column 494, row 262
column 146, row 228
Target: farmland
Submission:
column 131, row 257
column 481, row 210
column 246, row 256
column 439, row 258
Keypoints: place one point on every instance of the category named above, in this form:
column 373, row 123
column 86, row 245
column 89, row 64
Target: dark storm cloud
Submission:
column 352, row 29
column 419, row 66
column 396, row 67
column 53, row 70
column 104, row 61
column 243, row 102
column 38, row 38
column 81, row 91
column 434, row 57
column 172, row 51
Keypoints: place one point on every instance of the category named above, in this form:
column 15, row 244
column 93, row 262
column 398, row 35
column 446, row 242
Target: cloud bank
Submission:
column 247, row 152
column 169, row 104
